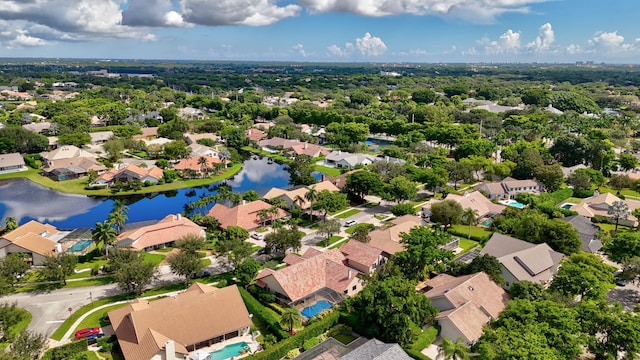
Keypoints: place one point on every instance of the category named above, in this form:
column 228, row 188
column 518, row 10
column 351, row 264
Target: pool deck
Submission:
column 254, row 346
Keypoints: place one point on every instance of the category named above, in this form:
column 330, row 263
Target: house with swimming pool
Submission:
column 509, row 188
column 203, row 319
column 321, row 277
column 35, row 240
column 160, row 234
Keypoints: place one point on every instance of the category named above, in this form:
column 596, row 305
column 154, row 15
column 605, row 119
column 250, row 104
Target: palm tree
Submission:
column 619, row 209
column 118, row 215
column 204, row 165
column 470, row 216
column 104, row 232
column 450, row 350
column 299, row 201
column 263, row 215
column 10, row 224
column 273, row 212
column 311, row 196
column 291, row 317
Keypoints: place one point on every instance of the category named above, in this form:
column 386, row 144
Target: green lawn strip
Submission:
column 77, row 186
column 338, row 244
column 330, row 241
column 467, row 245
column 423, row 340
column 70, row 284
column 348, row 213
column 94, row 319
column 262, row 230
column 477, row 233
column 90, row 355
column 345, row 338
column 13, row 331
column 155, row 259
column 380, row 217
column 573, row 200
column 625, row 192
column 164, row 250
column 275, row 156
column 607, row 228
column 205, row 262
column 333, row 172
column 350, row 230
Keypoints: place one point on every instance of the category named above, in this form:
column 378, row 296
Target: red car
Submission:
column 83, row 333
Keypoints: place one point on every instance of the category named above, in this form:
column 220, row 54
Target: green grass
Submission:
column 625, row 192
column 97, row 318
column 164, row 250
column 205, row 262
column 608, row 228
column 348, row 213
column 262, row 230
column 330, row 241
column 475, row 231
column 155, row 259
column 77, row 186
column 345, row 338
column 573, row 200
column 328, row 170
column 380, row 217
column 467, row 245
column 425, row 339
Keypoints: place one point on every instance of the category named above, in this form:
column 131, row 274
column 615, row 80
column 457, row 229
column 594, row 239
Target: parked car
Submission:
column 349, row 223
column 92, row 339
column 86, row 332
column 257, row 236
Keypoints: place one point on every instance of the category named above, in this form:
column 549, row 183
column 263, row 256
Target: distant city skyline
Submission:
column 556, row 31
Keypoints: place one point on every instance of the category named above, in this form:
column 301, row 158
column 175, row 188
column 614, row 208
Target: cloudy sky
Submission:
column 324, row 30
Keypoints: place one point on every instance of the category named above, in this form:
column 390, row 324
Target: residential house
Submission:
column 196, row 149
column 375, row 349
column 363, row 257
column 522, row 260
column 148, row 133
column 296, row 198
column 311, row 150
column 474, row 200
column 100, row 137
column 34, row 239
column 129, row 173
column 341, row 181
column 388, row 238
column 254, row 134
column 175, row 326
column 65, row 152
column 343, row 159
column 509, row 188
column 315, row 273
column 159, row 235
column 588, row 232
column 72, row 168
column 37, row 127
column 466, row 303
column 190, row 113
column 245, row 215
column 10, row 163
column 294, row 146
column 390, row 160
column 193, row 166
column 142, row 118
column 599, row 204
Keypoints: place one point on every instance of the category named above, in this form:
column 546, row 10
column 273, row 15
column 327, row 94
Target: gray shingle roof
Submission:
column 375, row 349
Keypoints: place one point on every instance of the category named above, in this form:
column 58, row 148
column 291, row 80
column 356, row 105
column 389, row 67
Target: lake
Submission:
column 24, row 200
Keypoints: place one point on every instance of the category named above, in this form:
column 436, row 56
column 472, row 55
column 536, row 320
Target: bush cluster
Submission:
column 68, row 351
column 264, row 314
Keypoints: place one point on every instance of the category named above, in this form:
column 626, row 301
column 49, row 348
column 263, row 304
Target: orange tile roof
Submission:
column 255, row 134
column 388, row 240
column 33, row 236
column 193, row 163
column 361, row 253
column 243, row 215
column 169, row 229
column 321, row 270
column 138, row 173
column 198, row 314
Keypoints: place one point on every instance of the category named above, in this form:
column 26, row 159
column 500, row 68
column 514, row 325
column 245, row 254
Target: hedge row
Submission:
column 279, row 350
column 264, row 314
column 68, row 351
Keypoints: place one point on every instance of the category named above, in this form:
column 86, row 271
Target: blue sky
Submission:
column 324, row 30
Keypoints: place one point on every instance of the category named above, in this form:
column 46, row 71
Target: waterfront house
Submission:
column 245, row 215
column 129, row 173
column 34, row 239
column 10, row 163
column 522, row 260
column 254, row 134
column 466, row 303
column 193, row 166
column 296, row 198
column 159, row 235
column 175, row 326
column 65, row 152
column 73, row 168
column 343, row 159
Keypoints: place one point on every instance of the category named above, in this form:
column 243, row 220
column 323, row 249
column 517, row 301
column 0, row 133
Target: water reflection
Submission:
column 25, row 200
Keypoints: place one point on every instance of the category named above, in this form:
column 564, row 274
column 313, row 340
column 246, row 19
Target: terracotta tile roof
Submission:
column 312, row 150
column 471, row 301
column 133, row 171
column 80, row 162
column 301, row 192
column 361, row 253
column 243, row 215
column 198, row 314
column 388, row 240
column 193, row 163
column 169, row 229
column 340, row 181
column 474, row 200
column 31, row 227
column 291, row 259
column 146, row 133
column 319, row 271
column 34, row 237
column 255, row 134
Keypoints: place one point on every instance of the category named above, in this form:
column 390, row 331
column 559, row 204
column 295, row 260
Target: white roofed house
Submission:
column 509, row 188
column 342, row 159
column 10, row 163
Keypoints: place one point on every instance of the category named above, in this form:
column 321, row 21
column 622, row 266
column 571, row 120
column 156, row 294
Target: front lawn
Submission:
column 98, row 318
column 333, row 172
column 348, row 213
column 155, row 259
column 330, row 241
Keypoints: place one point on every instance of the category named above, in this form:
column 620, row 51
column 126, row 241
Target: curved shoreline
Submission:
column 77, row 186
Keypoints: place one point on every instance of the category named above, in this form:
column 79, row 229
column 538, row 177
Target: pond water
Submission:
column 26, row 201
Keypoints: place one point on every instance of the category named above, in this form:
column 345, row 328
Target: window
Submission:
column 354, row 287
column 346, row 291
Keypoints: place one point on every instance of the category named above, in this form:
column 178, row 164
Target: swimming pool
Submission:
column 567, row 206
column 80, row 246
column 487, row 223
column 315, row 309
column 513, row 203
column 229, row 351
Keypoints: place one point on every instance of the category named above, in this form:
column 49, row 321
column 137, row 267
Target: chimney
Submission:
column 179, row 216
column 349, row 274
column 306, row 145
column 244, row 202
column 323, row 177
column 170, row 350
column 386, row 159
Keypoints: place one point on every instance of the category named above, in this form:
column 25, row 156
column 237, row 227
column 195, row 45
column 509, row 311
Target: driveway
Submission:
column 628, row 295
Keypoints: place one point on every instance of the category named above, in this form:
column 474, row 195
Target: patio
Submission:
column 249, row 339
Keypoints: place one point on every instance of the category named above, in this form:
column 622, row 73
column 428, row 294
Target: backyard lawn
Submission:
column 608, row 228
column 463, row 231
column 155, row 259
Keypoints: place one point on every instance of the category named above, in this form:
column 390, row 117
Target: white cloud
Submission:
column 299, row 48
column 544, row 39
column 609, row 40
column 23, row 39
column 367, row 46
column 471, row 10
column 234, row 12
column 507, row 43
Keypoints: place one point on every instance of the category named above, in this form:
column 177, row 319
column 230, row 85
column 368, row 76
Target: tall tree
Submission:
column 329, row 227
column 301, row 170
column 400, row 189
column 470, row 216
column 118, row 215
column 58, row 267
column 311, row 196
column 13, row 267
column 422, row 252
column 104, row 233
column 131, row 272
column 619, row 210
column 291, row 318
column 328, row 201
column 185, row 263
column 447, row 213
column 450, row 350
column 363, row 183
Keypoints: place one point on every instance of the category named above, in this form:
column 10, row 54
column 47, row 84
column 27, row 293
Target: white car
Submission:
column 257, row 236
column 349, row 223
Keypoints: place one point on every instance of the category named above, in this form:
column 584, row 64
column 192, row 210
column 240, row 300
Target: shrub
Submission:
column 292, row 353
column 261, row 294
column 266, row 315
column 402, row 209
column 310, row 343
column 68, row 351
column 599, row 219
column 95, row 270
column 583, row 193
